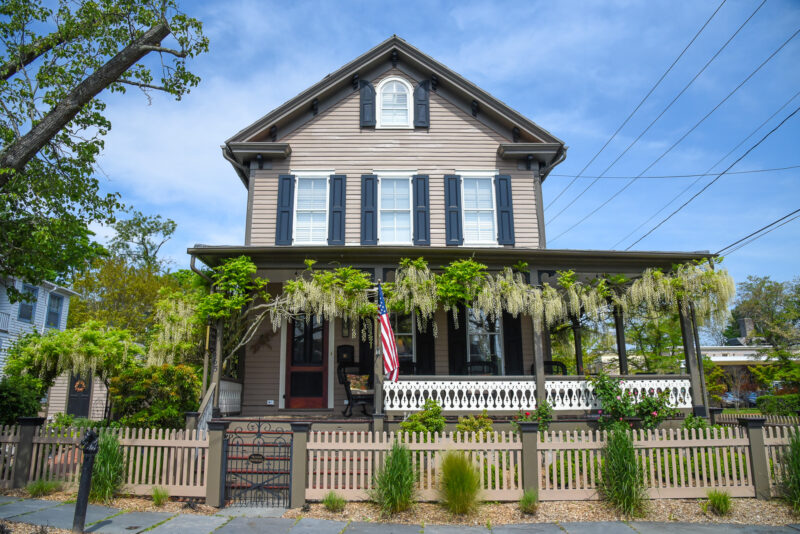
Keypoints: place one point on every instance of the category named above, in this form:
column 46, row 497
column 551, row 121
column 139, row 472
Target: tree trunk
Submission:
column 18, row 154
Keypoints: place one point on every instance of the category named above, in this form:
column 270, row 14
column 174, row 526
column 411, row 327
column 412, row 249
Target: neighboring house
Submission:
column 48, row 309
column 395, row 155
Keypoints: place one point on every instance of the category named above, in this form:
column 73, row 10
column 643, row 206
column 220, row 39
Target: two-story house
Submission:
column 395, row 155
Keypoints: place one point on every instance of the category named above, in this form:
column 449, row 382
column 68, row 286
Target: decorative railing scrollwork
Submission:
column 461, row 395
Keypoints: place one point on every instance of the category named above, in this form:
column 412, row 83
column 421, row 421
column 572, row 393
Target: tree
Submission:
column 53, row 66
column 656, row 338
column 140, row 239
column 178, row 330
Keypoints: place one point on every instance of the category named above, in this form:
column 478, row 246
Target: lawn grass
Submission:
column 741, row 410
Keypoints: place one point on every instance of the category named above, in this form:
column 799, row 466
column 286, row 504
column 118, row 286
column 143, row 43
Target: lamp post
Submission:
column 89, row 447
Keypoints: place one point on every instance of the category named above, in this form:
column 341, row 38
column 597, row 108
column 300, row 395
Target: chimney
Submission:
column 746, row 327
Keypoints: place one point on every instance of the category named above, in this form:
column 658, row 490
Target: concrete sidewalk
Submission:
column 253, row 520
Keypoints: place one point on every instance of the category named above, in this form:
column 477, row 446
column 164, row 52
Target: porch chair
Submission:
column 552, row 367
column 356, row 393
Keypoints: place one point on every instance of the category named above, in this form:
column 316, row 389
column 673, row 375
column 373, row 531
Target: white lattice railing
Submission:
column 578, row 394
column 230, row 397
column 510, row 394
column 206, row 411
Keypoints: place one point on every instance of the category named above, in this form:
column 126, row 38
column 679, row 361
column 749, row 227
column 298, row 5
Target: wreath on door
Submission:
column 80, row 386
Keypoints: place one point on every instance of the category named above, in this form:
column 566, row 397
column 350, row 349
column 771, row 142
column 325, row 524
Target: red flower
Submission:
column 527, row 414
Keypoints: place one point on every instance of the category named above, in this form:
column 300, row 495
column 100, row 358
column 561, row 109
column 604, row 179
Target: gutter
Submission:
column 240, row 169
column 561, row 155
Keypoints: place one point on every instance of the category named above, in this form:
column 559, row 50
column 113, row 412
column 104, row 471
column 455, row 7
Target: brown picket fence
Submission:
column 9, row 437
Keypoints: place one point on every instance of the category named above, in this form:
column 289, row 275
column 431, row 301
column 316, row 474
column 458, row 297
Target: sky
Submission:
column 577, row 69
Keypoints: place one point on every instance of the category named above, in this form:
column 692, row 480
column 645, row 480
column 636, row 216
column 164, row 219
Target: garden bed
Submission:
column 744, row 511
column 128, row 503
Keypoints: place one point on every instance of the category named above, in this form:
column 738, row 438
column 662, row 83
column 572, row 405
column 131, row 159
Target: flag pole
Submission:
column 378, row 366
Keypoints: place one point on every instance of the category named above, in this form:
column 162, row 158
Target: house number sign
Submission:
column 256, row 458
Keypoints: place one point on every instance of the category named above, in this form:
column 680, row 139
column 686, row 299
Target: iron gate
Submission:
column 258, row 465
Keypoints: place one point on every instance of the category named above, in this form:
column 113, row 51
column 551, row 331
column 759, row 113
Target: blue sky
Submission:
column 576, row 68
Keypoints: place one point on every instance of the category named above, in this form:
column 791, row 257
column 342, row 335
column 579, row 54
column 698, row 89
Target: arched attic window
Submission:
column 394, row 104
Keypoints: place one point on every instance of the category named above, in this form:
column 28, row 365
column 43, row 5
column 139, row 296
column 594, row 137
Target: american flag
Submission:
column 391, row 365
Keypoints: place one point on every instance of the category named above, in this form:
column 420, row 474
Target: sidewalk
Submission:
column 246, row 520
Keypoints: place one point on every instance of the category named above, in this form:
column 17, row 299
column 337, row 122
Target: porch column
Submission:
column 619, row 327
column 576, row 332
column 698, row 405
column 377, row 404
column 217, row 370
column 540, row 333
column 699, row 355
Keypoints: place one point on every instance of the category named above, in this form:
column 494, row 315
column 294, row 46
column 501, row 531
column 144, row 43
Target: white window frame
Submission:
column 394, row 175
column 32, row 304
column 501, row 369
column 50, row 297
column 300, row 175
column 413, row 333
column 488, row 175
column 379, row 105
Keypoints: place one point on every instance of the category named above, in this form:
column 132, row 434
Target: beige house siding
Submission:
column 334, row 141
column 58, row 395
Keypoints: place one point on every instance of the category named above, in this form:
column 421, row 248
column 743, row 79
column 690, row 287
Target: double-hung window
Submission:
column 479, row 210
column 403, row 328
column 311, row 210
column 394, row 104
column 54, row 305
column 27, row 308
column 395, row 210
column 484, row 344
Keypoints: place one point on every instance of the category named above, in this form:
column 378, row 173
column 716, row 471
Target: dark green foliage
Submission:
column 160, row 496
column 694, row 422
column 109, row 469
column 790, row 484
column 617, row 405
column 622, row 482
column 395, row 482
column 779, row 404
column 19, row 397
column 460, row 483
column 40, row 488
column 529, row 502
column 719, row 502
column 543, row 414
column 333, row 502
column 429, row 419
column 155, row 396
column 480, row 425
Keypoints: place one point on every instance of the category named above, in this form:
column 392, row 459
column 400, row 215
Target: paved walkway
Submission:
column 254, row 520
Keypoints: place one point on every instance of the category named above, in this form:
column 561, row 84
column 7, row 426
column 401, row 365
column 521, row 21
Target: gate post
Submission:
column 215, row 477
column 297, row 495
column 754, row 427
column 24, row 454
column 529, row 432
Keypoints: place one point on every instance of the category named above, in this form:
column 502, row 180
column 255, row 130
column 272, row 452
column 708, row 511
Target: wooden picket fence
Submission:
column 9, row 437
column 733, row 419
column 776, row 440
column 176, row 460
column 346, row 462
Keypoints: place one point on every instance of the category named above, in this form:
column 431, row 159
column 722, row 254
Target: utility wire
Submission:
column 632, row 113
column 723, row 158
column 663, row 111
column 676, row 143
column 740, row 158
column 774, row 169
column 748, row 236
column 762, row 235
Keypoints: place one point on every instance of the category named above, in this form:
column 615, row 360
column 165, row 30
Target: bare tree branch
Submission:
column 178, row 53
column 143, row 85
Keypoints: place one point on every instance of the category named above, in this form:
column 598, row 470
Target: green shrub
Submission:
column 480, row 425
column 617, row 405
column 394, row 486
column 109, row 469
column 543, row 414
column 160, row 496
column 718, row 502
column 691, row 422
column 460, row 483
column 529, row 502
column 790, row 483
column 20, row 396
column 779, row 404
column 333, row 502
column 429, row 419
column 40, row 488
column 622, row 481
column 63, row 420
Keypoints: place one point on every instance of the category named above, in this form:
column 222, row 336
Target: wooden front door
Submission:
column 79, row 396
column 307, row 364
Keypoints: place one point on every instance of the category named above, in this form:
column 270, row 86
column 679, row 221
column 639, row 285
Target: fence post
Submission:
column 191, row 420
column 530, row 455
column 378, row 422
column 24, row 454
column 758, row 454
column 215, row 478
column 297, row 498
column 716, row 411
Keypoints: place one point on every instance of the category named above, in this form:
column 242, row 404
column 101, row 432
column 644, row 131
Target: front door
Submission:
column 80, row 392
column 307, row 364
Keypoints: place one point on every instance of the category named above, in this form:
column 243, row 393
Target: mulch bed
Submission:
column 130, row 503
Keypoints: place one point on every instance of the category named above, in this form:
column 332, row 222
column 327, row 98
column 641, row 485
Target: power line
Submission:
column 663, row 111
column 632, row 113
column 762, row 235
column 748, row 236
column 723, row 158
column 774, row 169
column 676, row 143
column 740, row 158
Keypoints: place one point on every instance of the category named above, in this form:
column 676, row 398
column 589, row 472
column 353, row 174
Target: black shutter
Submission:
column 283, row 224
column 366, row 352
column 457, row 342
column 452, row 214
column 369, row 209
column 422, row 225
column 426, row 351
column 367, row 104
column 337, row 209
column 505, row 210
column 422, row 116
column 512, row 344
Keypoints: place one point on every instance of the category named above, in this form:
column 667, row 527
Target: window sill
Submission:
column 394, row 128
column 484, row 244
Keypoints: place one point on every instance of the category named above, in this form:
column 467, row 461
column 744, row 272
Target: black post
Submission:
column 619, row 326
column 576, row 332
column 89, row 446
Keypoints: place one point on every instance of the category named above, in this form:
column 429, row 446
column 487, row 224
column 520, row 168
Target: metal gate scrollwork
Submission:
column 258, row 465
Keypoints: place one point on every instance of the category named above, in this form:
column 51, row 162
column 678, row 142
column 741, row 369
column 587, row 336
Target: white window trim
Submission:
column 298, row 175
column 501, row 369
column 379, row 107
column 394, row 175
column 473, row 174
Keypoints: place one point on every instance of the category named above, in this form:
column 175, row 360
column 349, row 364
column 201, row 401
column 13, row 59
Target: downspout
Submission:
column 241, row 170
column 561, row 155
column 208, row 328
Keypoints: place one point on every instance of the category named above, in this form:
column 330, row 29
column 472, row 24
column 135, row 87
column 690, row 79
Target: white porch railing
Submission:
column 513, row 394
column 4, row 319
column 230, row 397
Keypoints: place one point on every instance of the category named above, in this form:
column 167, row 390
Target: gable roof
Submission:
column 406, row 53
